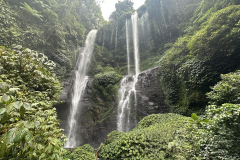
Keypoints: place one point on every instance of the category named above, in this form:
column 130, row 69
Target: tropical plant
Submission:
column 28, row 89
column 218, row 135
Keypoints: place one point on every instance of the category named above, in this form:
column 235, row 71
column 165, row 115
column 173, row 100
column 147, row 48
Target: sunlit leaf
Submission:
column 28, row 137
column 5, row 98
column 26, row 105
column 20, row 134
column 18, row 104
column 13, row 91
column 36, row 124
column 194, row 116
column 10, row 107
column 10, row 136
column 2, row 110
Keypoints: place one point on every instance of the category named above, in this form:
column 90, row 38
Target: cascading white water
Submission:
column 128, row 52
column 79, row 86
column 135, row 42
column 125, row 92
column 127, row 87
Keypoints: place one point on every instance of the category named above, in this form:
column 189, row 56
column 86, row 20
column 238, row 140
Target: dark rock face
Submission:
column 150, row 96
column 150, row 100
column 89, row 131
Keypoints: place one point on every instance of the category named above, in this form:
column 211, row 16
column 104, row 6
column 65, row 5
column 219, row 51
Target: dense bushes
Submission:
column 159, row 136
column 221, row 133
column 227, row 90
column 214, row 135
column 85, row 152
column 28, row 90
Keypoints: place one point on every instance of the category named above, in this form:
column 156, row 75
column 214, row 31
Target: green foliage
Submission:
column 53, row 27
column 85, row 152
column 222, row 140
column 156, row 137
column 30, row 70
column 9, row 29
column 218, row 135
column 105, row 84
column 197, row 59
column 31, row 11
column 227, row 90
column 107, row 78
column 28, row 123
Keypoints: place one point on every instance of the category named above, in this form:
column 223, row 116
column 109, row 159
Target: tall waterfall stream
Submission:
column 127, row 86
column 79, row 86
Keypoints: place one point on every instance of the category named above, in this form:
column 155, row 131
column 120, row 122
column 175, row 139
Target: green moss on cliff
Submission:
column 195, row 61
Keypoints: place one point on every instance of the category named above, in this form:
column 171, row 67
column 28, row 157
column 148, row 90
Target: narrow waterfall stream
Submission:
column 79, row 86
column 127, row 87
column 135, row 42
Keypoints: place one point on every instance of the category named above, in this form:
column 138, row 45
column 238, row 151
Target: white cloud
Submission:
column 108, row 6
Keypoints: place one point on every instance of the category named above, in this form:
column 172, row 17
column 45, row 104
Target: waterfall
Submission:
column 128, row 52
column 125, row 92
column 79, row 86
column 127, row 86
column 135, row 41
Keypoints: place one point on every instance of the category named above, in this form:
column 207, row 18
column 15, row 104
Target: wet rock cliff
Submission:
column 94, row 124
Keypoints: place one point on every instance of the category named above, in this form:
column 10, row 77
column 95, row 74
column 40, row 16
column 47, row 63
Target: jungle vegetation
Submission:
column 194, row 42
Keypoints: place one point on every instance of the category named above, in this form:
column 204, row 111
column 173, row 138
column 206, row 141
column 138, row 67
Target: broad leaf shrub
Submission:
column 219, row 136
column 85, row 152
column 158, row 136
column 227, row 90
column 28, row 90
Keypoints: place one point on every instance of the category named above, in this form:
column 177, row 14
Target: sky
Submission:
column 108, row 6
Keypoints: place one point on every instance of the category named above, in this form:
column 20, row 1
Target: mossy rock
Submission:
column 107, row 78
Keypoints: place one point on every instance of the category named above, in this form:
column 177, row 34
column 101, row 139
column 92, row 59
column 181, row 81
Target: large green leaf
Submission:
column 21, row 133
column 6, row 98
column 194, row 116
column 36, row 124
column 13, row 91
column 9, row 107
column 18, row 104
column 29, row 124
column 28, row 137
column 26, row 105
column 10, row 136
column 3, row 87
column 2, row 110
